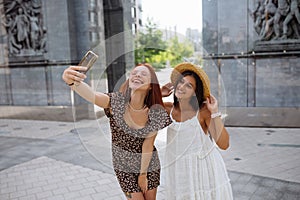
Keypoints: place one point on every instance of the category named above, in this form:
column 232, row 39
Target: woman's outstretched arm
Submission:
column 74, row 78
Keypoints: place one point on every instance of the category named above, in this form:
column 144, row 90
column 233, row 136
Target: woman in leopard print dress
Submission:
column 136, row 113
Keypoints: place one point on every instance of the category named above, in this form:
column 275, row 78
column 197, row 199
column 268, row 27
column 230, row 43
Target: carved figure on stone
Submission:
column 294, row 12
column 34, row 31
column 276, row 19
column 257, row 15
column 22, row 24
column 25, row 28
column 43, row 42
column 13, row 4
column 282, row 11
column 12, row 44
column 268, row 19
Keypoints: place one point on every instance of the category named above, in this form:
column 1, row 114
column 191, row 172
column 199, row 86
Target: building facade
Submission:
column 39, row 39
column 255, row 47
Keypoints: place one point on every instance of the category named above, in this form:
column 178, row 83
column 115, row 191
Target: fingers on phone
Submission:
column 74, row 68
column 78, row 79
column 80, row 75
column 82, row 68
column 78, row 71
column 79, row 68
column 77, row 76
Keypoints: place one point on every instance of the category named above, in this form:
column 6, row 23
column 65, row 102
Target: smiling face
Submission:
column 140, row 78
column 185, row 88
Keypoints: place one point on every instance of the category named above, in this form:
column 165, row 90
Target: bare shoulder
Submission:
column 168, row 106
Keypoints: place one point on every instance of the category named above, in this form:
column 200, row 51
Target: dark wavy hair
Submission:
column 154, row 95
column 196, row 101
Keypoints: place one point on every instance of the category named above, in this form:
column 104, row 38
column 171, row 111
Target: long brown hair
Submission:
column 154, row 94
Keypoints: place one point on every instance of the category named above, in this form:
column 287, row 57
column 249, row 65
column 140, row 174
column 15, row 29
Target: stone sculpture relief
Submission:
column 276, row 19
column 25, row 29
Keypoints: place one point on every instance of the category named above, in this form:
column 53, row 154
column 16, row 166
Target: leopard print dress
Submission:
column 127, row 144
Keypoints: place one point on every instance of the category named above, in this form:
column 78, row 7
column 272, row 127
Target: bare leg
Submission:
column 151, row 194
column 135, row 196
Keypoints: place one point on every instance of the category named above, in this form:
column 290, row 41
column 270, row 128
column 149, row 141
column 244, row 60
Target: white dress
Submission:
column 195, row 168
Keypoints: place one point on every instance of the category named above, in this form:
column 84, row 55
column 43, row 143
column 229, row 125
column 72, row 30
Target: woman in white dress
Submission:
column 194, row 166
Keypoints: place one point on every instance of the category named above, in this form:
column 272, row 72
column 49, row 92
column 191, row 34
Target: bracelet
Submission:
column 143, row 174
column 217, row 114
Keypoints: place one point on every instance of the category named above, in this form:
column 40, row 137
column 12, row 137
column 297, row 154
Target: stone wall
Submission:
column 259, row 71
column 32, row 77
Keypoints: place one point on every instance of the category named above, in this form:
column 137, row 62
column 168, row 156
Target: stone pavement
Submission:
column 63, row 160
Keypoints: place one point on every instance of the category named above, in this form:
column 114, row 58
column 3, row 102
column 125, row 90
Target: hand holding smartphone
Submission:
column 88, row 60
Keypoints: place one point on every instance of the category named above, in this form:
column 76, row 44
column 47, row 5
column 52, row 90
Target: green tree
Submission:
column 179, row 50
column 150, row 46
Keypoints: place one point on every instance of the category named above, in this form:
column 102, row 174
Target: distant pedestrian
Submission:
column 195, row 169
column 136, row 113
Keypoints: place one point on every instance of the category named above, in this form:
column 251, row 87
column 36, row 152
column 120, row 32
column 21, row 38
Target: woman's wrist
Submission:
column 143, row 174
column 216, row 114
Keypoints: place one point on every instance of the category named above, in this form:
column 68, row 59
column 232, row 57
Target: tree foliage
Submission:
column 149, row 44
column 179, row 50
column 153, row 49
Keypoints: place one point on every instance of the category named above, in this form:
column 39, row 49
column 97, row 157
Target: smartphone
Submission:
column 88, row 60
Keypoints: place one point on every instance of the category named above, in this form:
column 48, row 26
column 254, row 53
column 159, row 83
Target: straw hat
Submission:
column 182, row 67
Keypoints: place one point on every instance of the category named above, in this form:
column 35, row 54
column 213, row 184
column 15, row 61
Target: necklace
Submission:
column 136, row 110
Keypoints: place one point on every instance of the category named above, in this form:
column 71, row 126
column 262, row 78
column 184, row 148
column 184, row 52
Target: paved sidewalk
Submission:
column 46, row 178
column 59, row 160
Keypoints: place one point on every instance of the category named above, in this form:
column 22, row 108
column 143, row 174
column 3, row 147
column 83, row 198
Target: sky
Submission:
column 170, row 13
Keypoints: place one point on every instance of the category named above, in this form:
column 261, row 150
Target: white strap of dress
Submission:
column 172, row 111
column 197, row 113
